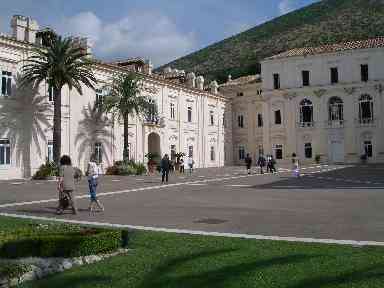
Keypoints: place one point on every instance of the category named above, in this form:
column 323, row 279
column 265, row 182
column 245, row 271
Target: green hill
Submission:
column 325, row 22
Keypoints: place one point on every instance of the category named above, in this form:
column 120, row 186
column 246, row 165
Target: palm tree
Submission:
column 63, row 62
column 125, row 99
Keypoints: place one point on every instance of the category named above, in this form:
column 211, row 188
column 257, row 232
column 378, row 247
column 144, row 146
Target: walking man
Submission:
column 261, row 163
column 248, row 163
column 93, row 175
column 181, row 166
column 165, row 166
column 66, row 186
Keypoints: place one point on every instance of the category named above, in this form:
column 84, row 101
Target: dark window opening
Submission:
column 334, row 75
column 259, row 120
column 364, row 73
column 305, row 75
column 308, row 150
column 278, row 117
column 276, row 81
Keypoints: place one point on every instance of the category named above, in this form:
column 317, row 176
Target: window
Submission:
column 212, row 153
column 364, row 72
column 50, row 93
column 99, row 152
column 365, row 109
column 335, row 109
column 173, row 152
column 240, row 121
column 305, row 76
column 173, row 111
column 368, row 148
column 306, row 113
column 99, row 98
column 189, row 114
column 276, row 81
column 190, row 151
column 224, row 121
column 277, row 117
column 308, row 150
column 259, row 120
column 5, row 152
column 241, row 153
column 6, row 83
column 50, row 151
column 278, row 148
column 239, row 94
column 211, row 118
column 334, row 75
column 151, row 116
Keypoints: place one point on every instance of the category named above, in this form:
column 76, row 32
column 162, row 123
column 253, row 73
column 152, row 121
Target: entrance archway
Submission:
column 154, row 144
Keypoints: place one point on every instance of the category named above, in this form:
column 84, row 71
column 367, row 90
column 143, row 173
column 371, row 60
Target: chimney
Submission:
column 200, row 82
column 213, row 87
column 24, row 28
column 191, row 80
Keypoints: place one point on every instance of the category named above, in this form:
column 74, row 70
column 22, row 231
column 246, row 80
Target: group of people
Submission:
column 261, row 162
column 166, row 165
column 66, row 185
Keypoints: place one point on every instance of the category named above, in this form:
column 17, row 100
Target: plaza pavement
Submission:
column 328, row 202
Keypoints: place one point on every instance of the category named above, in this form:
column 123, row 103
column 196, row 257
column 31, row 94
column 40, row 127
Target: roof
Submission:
column 331, row 48
column 242, row 80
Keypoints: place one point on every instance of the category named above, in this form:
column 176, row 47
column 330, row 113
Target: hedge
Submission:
column 71, row 244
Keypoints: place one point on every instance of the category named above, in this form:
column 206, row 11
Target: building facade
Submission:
column 326, row 102
column 190, row 115
column 244, row 128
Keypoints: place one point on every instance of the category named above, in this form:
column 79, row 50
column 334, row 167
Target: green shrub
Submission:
column 126, row 168
column 13, row 270
column 140, row 168
column 49, row 169
column 71, row 244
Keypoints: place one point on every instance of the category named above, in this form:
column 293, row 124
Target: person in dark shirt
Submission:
column 248, row 163
column 261, row 163
column 165, row 166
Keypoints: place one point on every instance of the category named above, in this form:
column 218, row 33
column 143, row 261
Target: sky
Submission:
column 159, row 30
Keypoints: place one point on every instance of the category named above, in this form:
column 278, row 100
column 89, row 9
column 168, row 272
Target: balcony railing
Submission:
column 335, row 123
column 306, row 124
column 152, row 120
column 365, row 122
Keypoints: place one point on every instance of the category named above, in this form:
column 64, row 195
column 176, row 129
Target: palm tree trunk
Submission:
column 126, row 144
column 57, row 126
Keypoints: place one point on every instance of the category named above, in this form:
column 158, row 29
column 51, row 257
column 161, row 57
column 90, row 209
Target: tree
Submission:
column 124, row 99
column 62, row 63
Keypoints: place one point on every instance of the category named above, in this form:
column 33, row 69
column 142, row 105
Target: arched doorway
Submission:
column 154, row 144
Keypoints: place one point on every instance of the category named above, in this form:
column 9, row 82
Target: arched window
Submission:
column 365, row 109
column 335, row 108
column 306, row 113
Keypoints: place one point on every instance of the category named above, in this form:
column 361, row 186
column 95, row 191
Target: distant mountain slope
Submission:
column 325, row 22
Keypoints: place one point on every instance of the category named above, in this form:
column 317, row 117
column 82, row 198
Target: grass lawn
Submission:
column 180, row 261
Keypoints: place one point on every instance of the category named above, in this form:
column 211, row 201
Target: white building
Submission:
column 190, row 118
column 325, row 101
column 244, row 119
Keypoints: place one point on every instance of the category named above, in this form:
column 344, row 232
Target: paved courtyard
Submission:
column 327, row 202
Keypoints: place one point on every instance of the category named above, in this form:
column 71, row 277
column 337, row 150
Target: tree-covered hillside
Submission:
column 325, row 22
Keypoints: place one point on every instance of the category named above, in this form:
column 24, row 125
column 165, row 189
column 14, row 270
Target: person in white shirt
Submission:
column 191, row 162
column 93, row 172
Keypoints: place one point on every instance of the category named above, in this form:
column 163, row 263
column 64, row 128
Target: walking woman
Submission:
column 66, row 186
column 295, row 165
column 93, row 175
